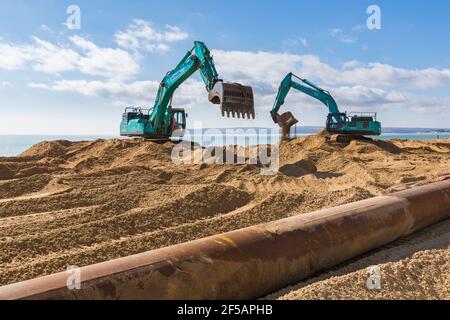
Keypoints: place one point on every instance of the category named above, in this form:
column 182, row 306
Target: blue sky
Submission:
column 59, row 81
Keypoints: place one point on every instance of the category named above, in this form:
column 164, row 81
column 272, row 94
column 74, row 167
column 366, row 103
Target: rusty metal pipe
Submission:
column 254, row 261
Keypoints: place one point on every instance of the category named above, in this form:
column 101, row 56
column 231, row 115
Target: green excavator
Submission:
column 352, row 124
column 164, row 122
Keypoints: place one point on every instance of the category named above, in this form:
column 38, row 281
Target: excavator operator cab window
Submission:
column 336, row 121
column 127, row 116
column 179, row 116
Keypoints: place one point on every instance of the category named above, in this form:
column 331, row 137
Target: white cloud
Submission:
column 303, row 41
column 160, row 47
column 352, row 64
column 261, row 69
column 44, row 56
column 89, row 59
column 142, row 35
column 46, row 28
column 192, row 94
column 335, row 32
column 296, row 42
column 12, row 57
column 375, row 86
column 361, row 98
column 354, row 84
column 359, row 27
column 5, row 84
column 49, row 58
column 270, row 68
column 341, row 36
column 134, row 93
column 174, row 33
column 138, row 92
column 107, row 62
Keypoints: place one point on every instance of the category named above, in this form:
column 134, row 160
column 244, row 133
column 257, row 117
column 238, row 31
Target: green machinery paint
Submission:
column 163, row 121
column 337, row 122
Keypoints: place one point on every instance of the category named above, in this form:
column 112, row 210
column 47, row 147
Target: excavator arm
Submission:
column 305, row 86
column 231, row 97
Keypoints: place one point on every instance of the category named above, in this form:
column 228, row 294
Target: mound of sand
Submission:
column 298, row 168
column 78, row 203
column 5, row 172
column 47, row 149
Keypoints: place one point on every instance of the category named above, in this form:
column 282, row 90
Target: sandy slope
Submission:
column 65, row 203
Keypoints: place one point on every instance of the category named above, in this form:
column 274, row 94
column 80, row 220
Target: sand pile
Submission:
column 5, row 172
column 77, row 203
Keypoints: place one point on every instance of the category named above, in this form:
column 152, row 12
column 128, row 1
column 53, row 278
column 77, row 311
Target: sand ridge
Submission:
column 78, row 203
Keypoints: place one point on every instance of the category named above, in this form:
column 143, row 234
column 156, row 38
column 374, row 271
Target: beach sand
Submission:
column 77, row 203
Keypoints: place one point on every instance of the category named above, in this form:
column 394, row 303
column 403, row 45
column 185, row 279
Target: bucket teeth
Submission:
column 233, row 112
column 235, row 100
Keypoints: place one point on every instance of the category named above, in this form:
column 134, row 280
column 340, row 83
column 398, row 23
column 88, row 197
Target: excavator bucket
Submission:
column 235, row 99
column 286, row 120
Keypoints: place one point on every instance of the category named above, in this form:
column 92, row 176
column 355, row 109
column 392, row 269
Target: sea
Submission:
column 13, row 145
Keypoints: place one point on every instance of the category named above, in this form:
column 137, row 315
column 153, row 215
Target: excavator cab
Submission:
column 336, row 122
column 179, row 118
column 235, row 99
column 178, row 125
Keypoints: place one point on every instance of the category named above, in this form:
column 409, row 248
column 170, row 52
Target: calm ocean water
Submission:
column 11, row 145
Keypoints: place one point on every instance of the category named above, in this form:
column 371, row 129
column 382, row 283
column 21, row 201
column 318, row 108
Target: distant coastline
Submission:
column 13, row 145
